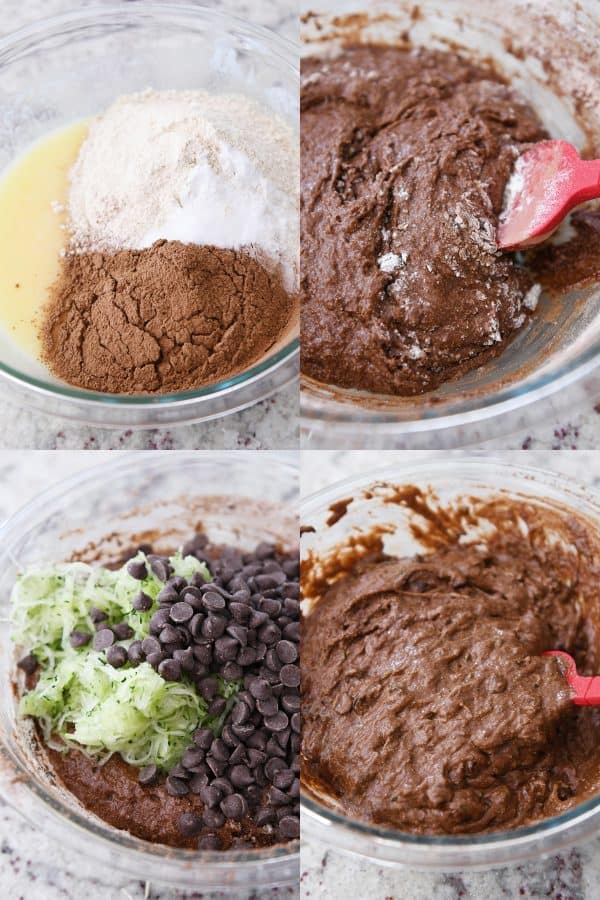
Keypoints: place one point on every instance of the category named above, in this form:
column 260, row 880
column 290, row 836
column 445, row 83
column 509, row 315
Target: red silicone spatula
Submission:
column 586, row 689
column 547, row 182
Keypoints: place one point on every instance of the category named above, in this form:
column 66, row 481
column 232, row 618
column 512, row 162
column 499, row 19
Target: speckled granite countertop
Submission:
column 271, row 424
column 328, row 875
column 34, row 866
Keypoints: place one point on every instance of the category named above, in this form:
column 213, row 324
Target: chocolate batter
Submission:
column 405, row 156
column 427, row 705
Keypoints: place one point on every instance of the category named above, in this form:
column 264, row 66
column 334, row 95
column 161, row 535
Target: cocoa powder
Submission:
column 170, row 318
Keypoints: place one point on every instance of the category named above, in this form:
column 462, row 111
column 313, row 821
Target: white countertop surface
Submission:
column 573, row 874
column 270, row 424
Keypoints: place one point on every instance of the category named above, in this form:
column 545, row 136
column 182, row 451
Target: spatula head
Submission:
column 539, row 194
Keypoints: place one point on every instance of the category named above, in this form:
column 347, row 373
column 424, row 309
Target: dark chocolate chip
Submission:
column 265, row 816
column 142, row 602
column 259, row 688
column 160, row 566
column 277, row 722
column 203, row 737
column 241, row 776
column 148, row 775
column 137, row 569
column 213, row 601
column 189, row 824
column 28, row 664
column 176, row 787
column 289, row 827
column 169, row 635
column 79, row 638
column 290, row 675
column 197, row 782
column 181, row 612
column 97, row 615
column 213, row 818
column 170, row 670
column 209, row 842
column 123, row 631
column 151, row 645
column 103, row 639
column 286, row 651
column 116, row 655
column 234, row 807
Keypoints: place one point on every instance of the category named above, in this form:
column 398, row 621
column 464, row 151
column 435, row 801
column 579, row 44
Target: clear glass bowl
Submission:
column 72, row 66
column 562, row 343
column 449, row 479
column 98, row 513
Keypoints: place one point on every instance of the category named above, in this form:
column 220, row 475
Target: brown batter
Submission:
column 405, row 156
column 112, row 791
column 427, row 705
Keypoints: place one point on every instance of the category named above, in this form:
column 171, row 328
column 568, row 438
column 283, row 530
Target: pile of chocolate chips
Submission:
column 243, row 625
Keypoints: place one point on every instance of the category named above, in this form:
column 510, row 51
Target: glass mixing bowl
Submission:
column 73, row 66
column 449, row 479
column 548, row 52
column 98, row 513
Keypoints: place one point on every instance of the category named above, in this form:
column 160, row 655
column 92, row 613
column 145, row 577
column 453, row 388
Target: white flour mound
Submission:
column 189, row 166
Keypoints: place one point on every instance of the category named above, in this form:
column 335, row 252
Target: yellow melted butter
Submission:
column 31, row 236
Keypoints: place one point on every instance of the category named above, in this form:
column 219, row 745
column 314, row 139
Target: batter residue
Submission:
column 427, row 704
column 405, row 156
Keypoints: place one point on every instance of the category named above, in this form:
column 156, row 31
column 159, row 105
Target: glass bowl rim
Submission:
column 48, row 26
column 82, row 831
column 585, row 817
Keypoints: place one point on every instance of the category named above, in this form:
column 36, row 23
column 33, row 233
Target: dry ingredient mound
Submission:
column 188, row 166
column 169, row 318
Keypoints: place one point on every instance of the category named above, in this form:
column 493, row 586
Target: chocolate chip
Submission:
column 217, row 706
column 79, row 638
column 273, row 766
column 238, row 755
column 189, row 824
column 234, row 807
column 286, row 651
column 246, row 656
column 231, row 671
column 203, row 737
column 271, row 606
column 148, row 775
column 213, row 818
column 168, row 635
column 290, row 675
column 28, row 664
column 176, row 787
column 213, row 601
column 219, row 750
column 116, row 655
column 103, row 639
column 240, row 612
column 291, row 702
column 137, row 569
column 151, row 645
column 265, row 816
column 295, row 722
column 240, row 714
column 260, row 689
column 142, row 602
column 160, row 566
column 291, row 632
column 278, row 798
column 181, row 612
column 155, row 659
column 268, row 707
column 197, row 782
column 277, row 722
column 213, row 627
column 97, row 615
column 241, row 776
column 158, row 621
column 283, row 779
column 210, row 842
column 226, row 648
column 170, row 670
column 289, row 827
column 123, row 631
